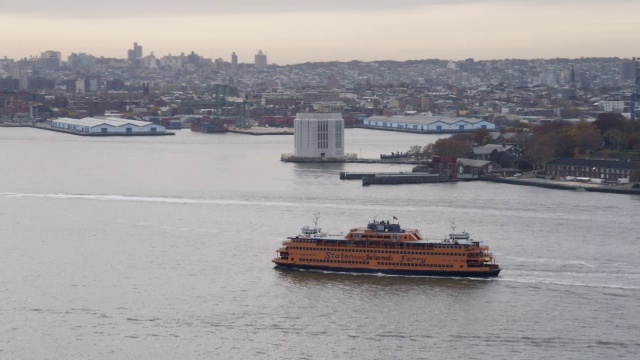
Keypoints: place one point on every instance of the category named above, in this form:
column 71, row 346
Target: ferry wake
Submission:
column 385, row 247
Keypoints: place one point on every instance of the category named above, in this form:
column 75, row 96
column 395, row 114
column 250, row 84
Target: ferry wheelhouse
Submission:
column 387, row 248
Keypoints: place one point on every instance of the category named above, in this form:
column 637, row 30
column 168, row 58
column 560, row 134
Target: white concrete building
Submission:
column 318, row 135
column 612, row 105
column 277, row 96
column 80, row 86
column 107, row 126
column 426, row 123
column 174, row 62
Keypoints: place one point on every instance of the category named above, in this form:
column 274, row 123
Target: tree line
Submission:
column 610, row 135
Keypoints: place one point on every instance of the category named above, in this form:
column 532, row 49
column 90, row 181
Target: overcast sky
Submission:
column 294, row 31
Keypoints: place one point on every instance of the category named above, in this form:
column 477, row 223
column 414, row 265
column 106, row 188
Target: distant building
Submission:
column 114, row 85
column 50, row 60
column 260, row 60
column 426, row 123
column 318, row 135
column 329, row 106
column 279, row 99
column 9, row 84
column 172, row 62
column 79, row 86
column 40, row 83
column 604, row 170
column 234, row 60
column 81, row 60
column 107, row 126
column 475, row 167
column 484, row 152
column 612, row 105
column 135, row 53
column 310, row 97
column 628, row 70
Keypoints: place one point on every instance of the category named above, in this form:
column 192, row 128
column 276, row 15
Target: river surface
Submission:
column 161, row 248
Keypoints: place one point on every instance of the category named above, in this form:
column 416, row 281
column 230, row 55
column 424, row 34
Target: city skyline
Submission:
column 290, row 32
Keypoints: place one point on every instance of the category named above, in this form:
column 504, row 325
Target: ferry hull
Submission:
column 448, row 273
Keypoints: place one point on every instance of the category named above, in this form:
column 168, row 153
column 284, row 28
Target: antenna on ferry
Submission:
column 453, row 225
column 316, row 215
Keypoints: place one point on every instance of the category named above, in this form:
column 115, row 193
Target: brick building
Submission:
column 605, row 170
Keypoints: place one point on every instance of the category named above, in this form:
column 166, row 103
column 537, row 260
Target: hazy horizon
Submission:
column 291, row 32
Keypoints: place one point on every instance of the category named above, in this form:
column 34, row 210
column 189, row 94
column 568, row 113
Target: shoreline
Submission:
column 557, row 185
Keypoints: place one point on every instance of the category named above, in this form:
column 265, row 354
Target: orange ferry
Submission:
column 384, row 247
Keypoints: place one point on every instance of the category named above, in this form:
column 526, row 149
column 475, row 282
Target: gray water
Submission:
column 161, row 248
